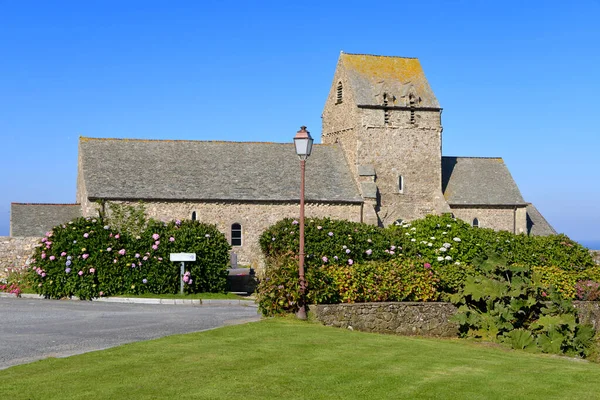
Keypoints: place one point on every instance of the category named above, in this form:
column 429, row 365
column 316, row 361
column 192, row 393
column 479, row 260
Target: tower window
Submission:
column 236, row 234
column 386, row 112
column 400, row 184
column 193, row 215
column 475, row 223
column 412, row 116
column 339, row 93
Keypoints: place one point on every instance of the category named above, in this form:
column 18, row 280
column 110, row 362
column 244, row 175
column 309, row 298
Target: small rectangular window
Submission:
column 400, row 184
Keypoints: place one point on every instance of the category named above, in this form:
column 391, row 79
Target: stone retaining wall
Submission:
column 405, row 318
column 596, row 255
column 409, row 318
column 15, row 251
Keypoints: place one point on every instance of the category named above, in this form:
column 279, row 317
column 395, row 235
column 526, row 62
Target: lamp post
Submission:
column 303, row 142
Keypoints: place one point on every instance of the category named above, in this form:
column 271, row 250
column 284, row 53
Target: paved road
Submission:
column 35, row 329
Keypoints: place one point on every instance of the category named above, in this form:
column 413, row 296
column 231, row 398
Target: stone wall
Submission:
column 409, row 318
column 254, row 217
column 596, row 255
column 15, row 251
column 496, row 217
column 406, row 318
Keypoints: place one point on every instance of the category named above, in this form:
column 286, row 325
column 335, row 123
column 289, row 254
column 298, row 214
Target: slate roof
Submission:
column 478, row 181
column 537, row 224
column 212, row 170
column 370, row 76
column 31, row 219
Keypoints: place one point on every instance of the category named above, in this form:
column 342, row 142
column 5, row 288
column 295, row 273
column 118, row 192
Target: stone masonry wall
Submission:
column 253, row 217
column 406, row 318
column 596, row 255
column 497, row 218
column 15, row 252
column 410, row 318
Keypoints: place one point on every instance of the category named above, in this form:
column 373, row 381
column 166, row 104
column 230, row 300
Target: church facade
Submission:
column 380, row 161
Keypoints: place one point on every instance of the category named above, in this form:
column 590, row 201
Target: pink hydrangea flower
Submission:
column 145, row 258
column 43, row 255
column 137, row 255
column 427, row 265
column 109, row 249
column 294, row 222
column 171, row 239
column 44, row 239
column 369, row 252
column 117, row 236
column 155, row 236
column 325, row 259
column 52, row 258
column 43, row 274
column 115, row 261
column 92, row 270
column 132, row 265
column 157, row 242
column 63, row 254
column 347, row 251
column 350, row 261
column 85, row 256
column 154, row 247
column 86, row 235
column 330, row 233
column 80, row 273
column 122, row 252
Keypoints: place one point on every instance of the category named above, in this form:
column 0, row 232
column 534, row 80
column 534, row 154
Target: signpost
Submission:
column 182, row 257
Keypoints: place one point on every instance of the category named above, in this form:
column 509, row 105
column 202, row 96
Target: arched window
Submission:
column 193, row 215
column 236, row 234
column 475, row 223
column 340, row 93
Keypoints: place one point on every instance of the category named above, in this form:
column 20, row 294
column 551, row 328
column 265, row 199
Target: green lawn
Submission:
column 287, row 359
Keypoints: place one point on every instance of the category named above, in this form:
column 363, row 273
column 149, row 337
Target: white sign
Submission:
column 183, row 257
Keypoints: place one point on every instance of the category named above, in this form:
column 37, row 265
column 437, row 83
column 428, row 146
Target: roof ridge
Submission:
column 488, row 158
column 378, row 55
column 85, row 139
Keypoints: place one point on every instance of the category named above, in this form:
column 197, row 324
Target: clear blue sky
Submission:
column 516, row 79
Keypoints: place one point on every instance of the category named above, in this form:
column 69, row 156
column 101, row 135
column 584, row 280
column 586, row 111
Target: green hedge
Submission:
column 87, row 258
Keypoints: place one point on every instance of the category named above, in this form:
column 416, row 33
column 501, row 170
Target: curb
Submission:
column 136, row 300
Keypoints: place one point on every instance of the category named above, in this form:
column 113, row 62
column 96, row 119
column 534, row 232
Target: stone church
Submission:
column 380, row 161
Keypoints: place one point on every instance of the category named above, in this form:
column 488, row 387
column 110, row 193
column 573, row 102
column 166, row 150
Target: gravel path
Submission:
column 35, row 329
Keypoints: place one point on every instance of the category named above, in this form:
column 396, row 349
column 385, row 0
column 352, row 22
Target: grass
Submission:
column 282, row 358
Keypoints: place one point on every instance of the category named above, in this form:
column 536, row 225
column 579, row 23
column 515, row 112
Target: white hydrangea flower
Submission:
column 413, row 229
column 457, row 263
column 440, row 258
column 448, row 258
column 413, row 240
column 429, row 244
column 432, row 238
column 442, row 249
column 456, row 239
column 447, row 245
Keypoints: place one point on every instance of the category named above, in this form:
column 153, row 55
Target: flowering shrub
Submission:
column 87, row 258
column 587, row 290
column 278, row 292
column 329, row 242
column 406, row 280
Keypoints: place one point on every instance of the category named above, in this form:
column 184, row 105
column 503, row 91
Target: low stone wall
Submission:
column 589, row 312
column 406, row 318
column 409, row 318
column 15, row 251
column 595, row 255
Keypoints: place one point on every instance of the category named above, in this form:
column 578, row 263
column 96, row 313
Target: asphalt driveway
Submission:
column 35, row 329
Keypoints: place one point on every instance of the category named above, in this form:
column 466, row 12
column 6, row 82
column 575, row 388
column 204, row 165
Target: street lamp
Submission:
column 303, row 142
